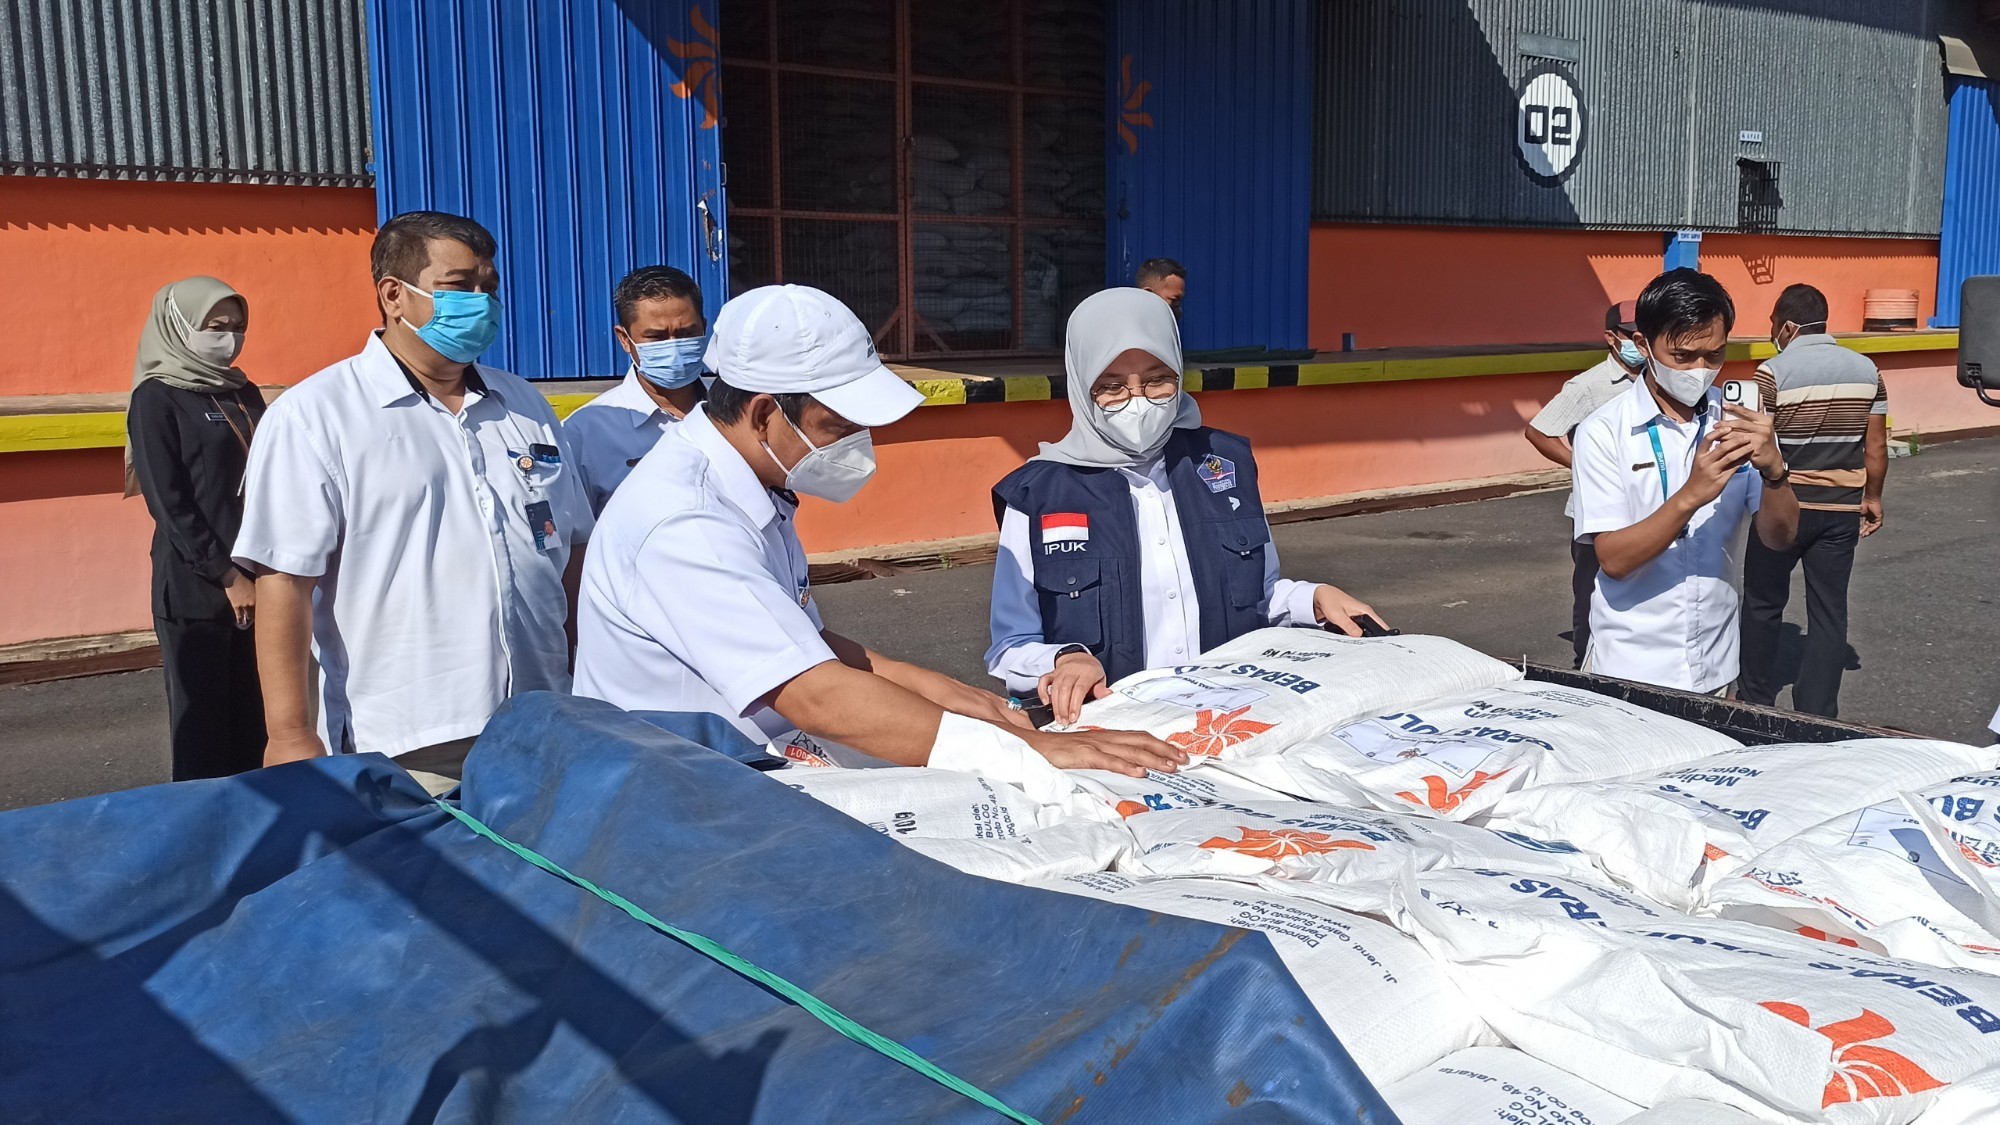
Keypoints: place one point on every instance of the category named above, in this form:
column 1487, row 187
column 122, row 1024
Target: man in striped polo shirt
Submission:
column 1833, row 425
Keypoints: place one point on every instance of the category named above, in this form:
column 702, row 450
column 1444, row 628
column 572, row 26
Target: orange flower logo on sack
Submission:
column 1131, row 102
column 806, row 755
column 698, row 57
column 1860, row 1071
column 1216, row 731
column 1282, row 843
column 1440, row 797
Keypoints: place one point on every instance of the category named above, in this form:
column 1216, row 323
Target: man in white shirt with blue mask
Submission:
column 411, row 517
column 695, row 595
column 662, row 331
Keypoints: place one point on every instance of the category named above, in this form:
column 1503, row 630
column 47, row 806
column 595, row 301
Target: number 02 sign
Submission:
column 1549, row 125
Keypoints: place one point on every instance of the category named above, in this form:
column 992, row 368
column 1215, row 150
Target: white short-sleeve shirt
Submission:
column 695, row 595
column 610, row 433
column 1673, row 621
column 1021, row 655
column 439, row 542
column 1579, row 398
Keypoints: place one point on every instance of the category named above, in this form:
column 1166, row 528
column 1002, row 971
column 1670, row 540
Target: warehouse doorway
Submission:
column 939, row 167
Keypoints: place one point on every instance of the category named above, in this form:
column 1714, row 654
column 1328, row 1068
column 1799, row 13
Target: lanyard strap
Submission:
column 1660, row 456
column 813, row 1005
column 249, row 423
column 1660, row 460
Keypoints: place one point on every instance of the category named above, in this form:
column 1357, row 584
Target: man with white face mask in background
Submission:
column 1550, row 432
column 1665, row 478
column 696, row 597
column 663, row 334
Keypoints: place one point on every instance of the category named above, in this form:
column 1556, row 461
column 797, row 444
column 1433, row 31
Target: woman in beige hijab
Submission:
column 1138, row 540
column 187, row 433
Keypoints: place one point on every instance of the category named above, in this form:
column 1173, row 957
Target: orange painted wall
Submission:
column 73, row 551
column 80, row 261
column 1395, row 286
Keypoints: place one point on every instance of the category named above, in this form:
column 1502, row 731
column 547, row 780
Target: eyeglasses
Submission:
column 1156, row 388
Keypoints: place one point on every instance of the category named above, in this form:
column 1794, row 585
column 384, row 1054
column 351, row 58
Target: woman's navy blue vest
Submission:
column 1083, row 540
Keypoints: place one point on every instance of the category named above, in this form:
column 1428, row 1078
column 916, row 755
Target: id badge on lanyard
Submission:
column 538, row 511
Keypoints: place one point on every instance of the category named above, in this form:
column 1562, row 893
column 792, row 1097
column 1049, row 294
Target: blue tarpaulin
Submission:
column 320, row 942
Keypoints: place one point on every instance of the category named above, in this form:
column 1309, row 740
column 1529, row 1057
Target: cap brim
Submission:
column 876, row 399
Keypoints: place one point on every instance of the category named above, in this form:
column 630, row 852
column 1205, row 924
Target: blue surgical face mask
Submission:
column 670, row 364
column 1630, row 355
column 462, row 325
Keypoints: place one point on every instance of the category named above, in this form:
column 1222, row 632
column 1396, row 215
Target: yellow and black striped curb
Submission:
column 103, row 429
column 973, row 390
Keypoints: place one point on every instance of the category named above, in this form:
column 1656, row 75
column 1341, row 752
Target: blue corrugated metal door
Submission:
column 1969, row 241
column 584, row 134
column 1210, row 148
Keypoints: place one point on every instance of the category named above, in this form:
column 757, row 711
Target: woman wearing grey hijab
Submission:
column 188, row 432
column 1138, row 540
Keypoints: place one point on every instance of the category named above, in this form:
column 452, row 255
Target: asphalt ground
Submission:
column 1494, row 575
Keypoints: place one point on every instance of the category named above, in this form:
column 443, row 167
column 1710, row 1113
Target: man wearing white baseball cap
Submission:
column 695, row 596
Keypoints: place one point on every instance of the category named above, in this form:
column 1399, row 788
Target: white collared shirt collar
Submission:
column 389, row 383
column 630, row 395
column 1643, row 410
column 735, row 481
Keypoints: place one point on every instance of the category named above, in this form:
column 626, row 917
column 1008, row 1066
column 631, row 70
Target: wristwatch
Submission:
column 1067, row 649
column 1779, row 481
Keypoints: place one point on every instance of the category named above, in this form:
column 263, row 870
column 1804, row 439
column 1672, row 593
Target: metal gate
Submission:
column 938, row 167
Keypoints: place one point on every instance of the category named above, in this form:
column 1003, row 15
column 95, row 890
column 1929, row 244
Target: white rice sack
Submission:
column 1197, row 786
column 915, row 801
column 1482, row 1085
column 1458, row 757
column 1653, row 1006
column 1682, row 1111
column 804, row 751
column 1274, row 688
column 1353, row 858
column 1672, row 834
column 1392, row 1006
column 1971, row 1101
column 1074, row 847
column 1917, row 877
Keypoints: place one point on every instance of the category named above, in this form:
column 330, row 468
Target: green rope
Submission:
column 817, row 1008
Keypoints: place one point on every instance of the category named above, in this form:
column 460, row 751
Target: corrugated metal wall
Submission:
column 1210, row 157
column 1969, row 244
column 246, row 91
column 568, row 130
column 1415, row 110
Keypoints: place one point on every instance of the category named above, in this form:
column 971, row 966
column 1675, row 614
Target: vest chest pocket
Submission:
column 1071, row 592
column 1243, row 544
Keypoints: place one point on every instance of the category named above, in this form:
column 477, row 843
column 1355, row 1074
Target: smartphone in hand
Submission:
column 1743, row 393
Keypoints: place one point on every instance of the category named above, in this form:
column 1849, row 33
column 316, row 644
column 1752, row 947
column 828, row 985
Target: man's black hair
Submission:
column 1802, row 305
column 653, row 283
column 727, row 405
column 1156, row 269
column 1681, row 302
column 403, row 246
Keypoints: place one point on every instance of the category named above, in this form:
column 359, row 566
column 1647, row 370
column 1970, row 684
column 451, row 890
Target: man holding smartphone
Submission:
column 1665, row 478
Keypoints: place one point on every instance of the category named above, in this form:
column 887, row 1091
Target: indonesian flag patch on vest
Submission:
column 1065, row 527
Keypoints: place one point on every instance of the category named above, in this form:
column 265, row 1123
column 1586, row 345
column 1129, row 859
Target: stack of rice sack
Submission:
column 1525, row 903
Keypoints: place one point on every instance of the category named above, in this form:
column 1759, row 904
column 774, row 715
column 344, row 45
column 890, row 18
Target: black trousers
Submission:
column 1826, row 546
column 215, row 708
column 1582, row 580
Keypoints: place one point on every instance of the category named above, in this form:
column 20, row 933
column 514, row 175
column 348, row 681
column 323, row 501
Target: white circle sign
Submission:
column 1548, row 125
